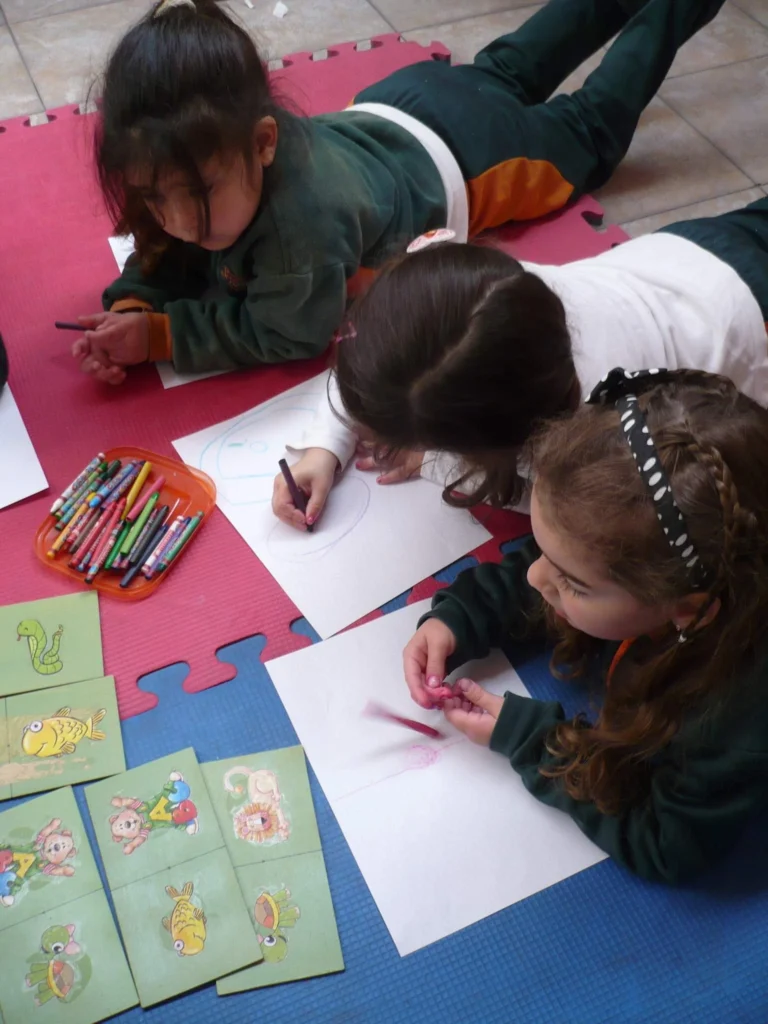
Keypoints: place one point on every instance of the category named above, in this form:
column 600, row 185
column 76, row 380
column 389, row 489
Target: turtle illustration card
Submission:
column 45, row 859
column 292, row 912
column 263, row 804
column 49, row 643
column 152, row 816
column 60, row 736
column 66, row 964
column 265, row 809
column 185, row 926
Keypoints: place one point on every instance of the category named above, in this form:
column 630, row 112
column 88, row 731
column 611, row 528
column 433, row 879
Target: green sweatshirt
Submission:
column 706, row 785
column 345, row 192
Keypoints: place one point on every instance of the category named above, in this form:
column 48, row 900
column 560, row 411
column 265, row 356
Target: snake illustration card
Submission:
column 58, row 941
column 265, row 809
column 59, row 737
column 176, row 895
column 49, row 643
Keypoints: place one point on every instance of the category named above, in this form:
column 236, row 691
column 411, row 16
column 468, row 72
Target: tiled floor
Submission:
column 701, row 147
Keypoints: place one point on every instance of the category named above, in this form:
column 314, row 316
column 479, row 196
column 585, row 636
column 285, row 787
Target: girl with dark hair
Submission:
column 650, row 569
column 253, row 227
column 459, row 350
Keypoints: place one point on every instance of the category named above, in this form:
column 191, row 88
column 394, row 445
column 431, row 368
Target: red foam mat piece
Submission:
column 54, row 261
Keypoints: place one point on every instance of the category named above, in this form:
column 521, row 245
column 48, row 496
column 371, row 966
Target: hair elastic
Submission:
column 166, row 5
column 433, row 237
column 620, row 387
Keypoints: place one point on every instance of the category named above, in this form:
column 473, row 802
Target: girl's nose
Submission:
column 537, row 575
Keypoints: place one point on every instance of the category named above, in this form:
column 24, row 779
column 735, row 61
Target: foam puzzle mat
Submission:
column 54, row 262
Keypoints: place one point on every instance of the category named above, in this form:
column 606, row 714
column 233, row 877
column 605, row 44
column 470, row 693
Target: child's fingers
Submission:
column 81, row 348
column 93, row 320
column 317, row 499
column 395, row 475
column 480, row 698
column 367, row 463
column 283, row 507
column 414, row 660
column 477, row 727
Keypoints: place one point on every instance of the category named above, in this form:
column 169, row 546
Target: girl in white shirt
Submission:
column 457, row 351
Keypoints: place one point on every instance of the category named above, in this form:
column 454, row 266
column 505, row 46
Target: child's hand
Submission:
column 474, row 711
column 314, row 473
column 424, row 661
column 405, row 465
column 111, row 342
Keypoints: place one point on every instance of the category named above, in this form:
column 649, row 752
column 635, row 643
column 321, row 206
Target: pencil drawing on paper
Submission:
column 419, row 757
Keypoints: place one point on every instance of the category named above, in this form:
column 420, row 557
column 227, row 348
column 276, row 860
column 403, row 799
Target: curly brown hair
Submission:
column 713, row 445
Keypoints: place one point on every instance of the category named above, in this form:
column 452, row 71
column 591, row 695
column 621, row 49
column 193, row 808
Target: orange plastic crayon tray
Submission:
column 188, row 489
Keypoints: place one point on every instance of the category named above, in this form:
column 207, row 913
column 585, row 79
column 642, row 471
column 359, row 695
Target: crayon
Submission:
column 94, row 540
column 59, row 542
column 376, row 711
column 138, row 483
column 157, row 516
column 80, row 525
column 97, row 474
column 86, row 533
column 143, row 498
column 111, row 533
column 115, row 552
column 66, row 325
column 77, row 482
column 109, row 488
column 153, row 539
column 138, row 526
column 299, row 497
column 173, row 531
column 179, row 543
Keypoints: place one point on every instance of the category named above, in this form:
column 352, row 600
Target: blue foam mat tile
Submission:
column 601, row 946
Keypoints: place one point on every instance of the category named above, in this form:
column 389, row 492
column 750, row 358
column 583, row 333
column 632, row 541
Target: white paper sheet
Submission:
column 371, row 542
column 21, row 474
column 122, row 247
column 443, row 831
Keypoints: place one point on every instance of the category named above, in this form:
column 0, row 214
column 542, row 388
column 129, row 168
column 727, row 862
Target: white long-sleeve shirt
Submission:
column 658, row 300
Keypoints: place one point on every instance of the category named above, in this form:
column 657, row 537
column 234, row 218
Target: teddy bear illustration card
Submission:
column 264, row 806
column 49, row 643
column 57, row 737
column 58, row 942
column 183, row 918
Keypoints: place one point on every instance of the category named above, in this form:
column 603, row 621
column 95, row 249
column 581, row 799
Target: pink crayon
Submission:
column 144, row 497
column 377, row 711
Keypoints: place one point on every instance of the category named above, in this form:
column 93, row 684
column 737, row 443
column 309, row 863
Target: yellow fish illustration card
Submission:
column 50, row 643
column 59, row 737
column 265, row 809
column 181, row 911
column 59, row 946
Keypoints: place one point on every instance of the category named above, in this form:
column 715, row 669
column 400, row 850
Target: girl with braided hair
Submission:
column 649, row 569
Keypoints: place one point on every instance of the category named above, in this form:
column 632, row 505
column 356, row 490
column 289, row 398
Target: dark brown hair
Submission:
column 458, row 349
column 180, row 88
column 713, row 445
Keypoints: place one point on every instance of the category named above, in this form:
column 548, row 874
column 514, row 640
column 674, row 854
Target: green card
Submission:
column 60, row 736
column 291, row 908
column 185, row 926
column 264, row 805
column 153, row 816
column 49, row 643
column 45, row 859
column 65, row 965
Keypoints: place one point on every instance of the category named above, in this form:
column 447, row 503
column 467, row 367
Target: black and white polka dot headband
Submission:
column 621, row 388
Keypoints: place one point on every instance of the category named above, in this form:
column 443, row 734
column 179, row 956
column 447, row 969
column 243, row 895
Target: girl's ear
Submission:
column 265, row 136
column 686, row 611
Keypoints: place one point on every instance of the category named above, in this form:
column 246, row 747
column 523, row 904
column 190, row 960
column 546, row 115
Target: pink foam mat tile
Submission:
column 54, row 262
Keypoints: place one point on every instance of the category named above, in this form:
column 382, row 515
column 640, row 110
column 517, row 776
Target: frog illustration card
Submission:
column 66, row 964
column 264, row 805
column 292, row 912
column 45, row 858
column 60, row 736
column 185, row 926
column 49, row 643
column 265, row 809
column 152, row 816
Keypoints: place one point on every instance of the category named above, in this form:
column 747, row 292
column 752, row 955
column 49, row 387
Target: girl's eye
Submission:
column 201, row 193
column 565, row 582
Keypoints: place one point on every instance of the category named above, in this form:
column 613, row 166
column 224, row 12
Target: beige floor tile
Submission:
column 17, row 96
column 727, row 105
column 405, row 15
column 709, row 208
column 309, row 24
column 758, row 9
column 669, row 165
column 731, row 36
column 26, row 10
column 67, row 52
